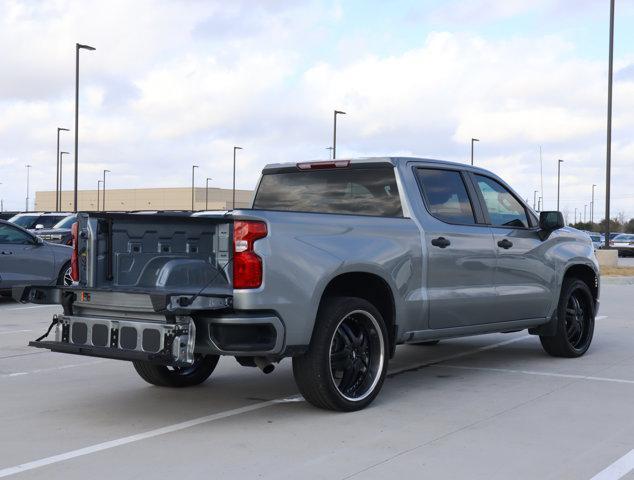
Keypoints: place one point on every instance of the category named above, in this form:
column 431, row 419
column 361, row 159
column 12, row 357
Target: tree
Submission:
column 629, row 226
column 615, row 225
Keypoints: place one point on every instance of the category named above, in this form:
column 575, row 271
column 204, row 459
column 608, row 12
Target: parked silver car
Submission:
column 624, row 243
column 26, row 259
column 336, row 264
column 38, row 220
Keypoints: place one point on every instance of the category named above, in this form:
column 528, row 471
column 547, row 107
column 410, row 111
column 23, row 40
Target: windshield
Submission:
column 624, row 238
column 66, row 223
column 24, row 221
column 357, row 191
column 595, row 238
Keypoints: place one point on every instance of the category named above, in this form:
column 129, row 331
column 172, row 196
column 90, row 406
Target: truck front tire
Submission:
column 163, row 376
column 346, row 362
column 575, row 321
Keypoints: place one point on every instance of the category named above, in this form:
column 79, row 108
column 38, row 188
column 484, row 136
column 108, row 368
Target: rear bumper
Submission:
column 167, row 343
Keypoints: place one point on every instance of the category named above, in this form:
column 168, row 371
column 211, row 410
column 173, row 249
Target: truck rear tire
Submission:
column 163, row 376
column 346, row 362
column 575, row 321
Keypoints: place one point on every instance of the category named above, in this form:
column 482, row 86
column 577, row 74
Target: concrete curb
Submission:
column 616, row 280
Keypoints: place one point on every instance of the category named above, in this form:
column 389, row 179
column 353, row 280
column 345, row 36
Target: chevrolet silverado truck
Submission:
column 334, row 265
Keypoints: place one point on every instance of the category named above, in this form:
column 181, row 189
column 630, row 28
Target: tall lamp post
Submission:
column 575, row 215
column 61, row 176
column 57, row 205
column 194, row 167
column 584, row 212
column 592, row 207
column 473, row 140
column 608, row 153
column 98, row 185
column 28, row 171
column 334, row 133
column 535, row 199
column 233, row 201
column 207, row 193
column 78, row 47
column 559, row 162
column 330, row 153
column 103, row 185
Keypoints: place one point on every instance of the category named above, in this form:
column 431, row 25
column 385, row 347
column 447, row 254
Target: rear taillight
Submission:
column 74, row 258
column 247, row 265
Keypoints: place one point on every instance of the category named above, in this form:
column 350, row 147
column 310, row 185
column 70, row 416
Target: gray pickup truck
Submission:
column 335, row 264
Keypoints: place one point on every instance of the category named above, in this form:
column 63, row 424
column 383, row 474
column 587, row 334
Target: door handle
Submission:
column 505, row 244
column 440, row 242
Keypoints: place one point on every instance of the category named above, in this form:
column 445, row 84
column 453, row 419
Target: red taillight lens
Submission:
column 74, row 258
column 247, row 265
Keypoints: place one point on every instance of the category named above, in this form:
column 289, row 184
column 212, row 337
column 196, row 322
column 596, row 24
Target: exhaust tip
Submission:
column 264, row 365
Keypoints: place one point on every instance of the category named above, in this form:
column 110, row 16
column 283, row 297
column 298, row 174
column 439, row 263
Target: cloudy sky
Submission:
column 173, row 84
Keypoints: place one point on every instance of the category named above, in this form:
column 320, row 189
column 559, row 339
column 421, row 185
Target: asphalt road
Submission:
column 488, row 407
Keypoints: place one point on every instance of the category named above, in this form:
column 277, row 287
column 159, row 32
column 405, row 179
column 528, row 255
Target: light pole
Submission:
column 57, row 205
column 194, row 167
column 334, row 134
column 608, row 153
column 78, row 47
column 535, row 199
column 103, row 196
column 28, row 171
column 559, row 162
column 61, row 176
column 233, row 202
column 99, row 182
column 207, row 193
column 592, row 207
column 539, row 204
column 473, row 140
column 584, row 212
column 330, row 154
column 575, row 215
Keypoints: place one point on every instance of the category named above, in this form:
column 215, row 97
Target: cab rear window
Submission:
column 352, row 191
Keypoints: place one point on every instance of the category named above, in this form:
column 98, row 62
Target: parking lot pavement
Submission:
column 490, row 407
column 626, row 261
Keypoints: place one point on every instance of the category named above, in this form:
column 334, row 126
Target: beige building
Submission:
column 145, row 199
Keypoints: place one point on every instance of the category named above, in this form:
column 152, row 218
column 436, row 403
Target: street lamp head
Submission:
column 475, row 139
column 85, row 47
column 60, row 129
column 194, row 166
column 339, row 112
column 106, row 171
column 560, row 161
column 63, row 153
column 237, row 148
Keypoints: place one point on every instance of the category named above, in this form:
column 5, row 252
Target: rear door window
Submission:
column 446, row 195
column 356, row 191
column 504, row 209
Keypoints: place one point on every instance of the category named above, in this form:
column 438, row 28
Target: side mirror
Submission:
column 550, row 221
column 39, row 241
column 39, row 226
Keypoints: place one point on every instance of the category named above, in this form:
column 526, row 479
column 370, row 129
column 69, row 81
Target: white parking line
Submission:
column 99, row 447
column 51, row 369
column 618, row 469
column 15, row 331
column 541, row 374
